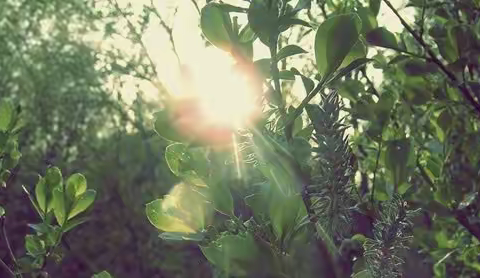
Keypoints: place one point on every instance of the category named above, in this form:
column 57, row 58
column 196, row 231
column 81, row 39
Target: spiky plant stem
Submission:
column 332, row 167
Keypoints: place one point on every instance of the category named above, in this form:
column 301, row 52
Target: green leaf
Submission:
column 398, row 155
column 306, row 133
column 82, row 203
column 6, row 114
column 258, row 202
column 398, row 59
column 286, row 74
column 384, row 106
column 42, row 194
column 230, row 8
column 298, row 123
column 417, row 90
column 216, row 26
column 447, row 49
column 247, row 34
column 416, row 66
column 383, row 38
column 308, row 83
column 164, row 128
column 233, row 254
column 53, row 177
column 330, row 48
column 5, row 175
column 34, row 245
column 263, row 18
column 74, row 223
column 369, row 20
column 287, row 22
column 362, row 274
column 164, row 222
column 375, row 6
column 172, row 236
column 263, row 66
column 184, row 210
column 2, row 211
column 222, row 198
column 76, row 186
column 59, row 208
column 103, row 274
column 41, row 228
column 288, row 51
column 301, row 149
column 445, row 120
column 351, row 67
column 358, row 51
column 350, row 89
column 175, row 154
column 302, row 4
column 285, row 211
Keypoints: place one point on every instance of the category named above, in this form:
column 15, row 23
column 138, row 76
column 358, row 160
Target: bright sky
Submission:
column 195, row 55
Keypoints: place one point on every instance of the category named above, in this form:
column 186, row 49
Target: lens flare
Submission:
column 226, row 93
column 220, row 98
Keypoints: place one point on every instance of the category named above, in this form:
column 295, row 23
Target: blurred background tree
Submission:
column 71, row 93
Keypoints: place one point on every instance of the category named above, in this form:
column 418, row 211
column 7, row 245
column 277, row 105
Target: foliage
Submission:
column 53, row 201
column 363, row 176
column 364, row 201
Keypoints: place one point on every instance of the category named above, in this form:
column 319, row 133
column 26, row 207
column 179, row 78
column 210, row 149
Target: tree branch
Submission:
column 370, row 83
column 276, row 83
column 7, row 242
column 372, row 195
column 7, row 269
column 196, row 6
column 137, row 36
column 462, row 216
column 461, row 86
column 169, row 29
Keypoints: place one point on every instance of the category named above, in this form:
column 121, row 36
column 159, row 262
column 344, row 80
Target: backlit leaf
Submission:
column 263, row 18
column 184, row 210
column 383, row 38
column 76, row 185
column 398, row 155
column 83, row 202
column 288, row 51
column 41, row 194
column 216, row 26
column 330, row 48
column 59, row 205
column 6, row 114
column 175, row 154
column 34, row 245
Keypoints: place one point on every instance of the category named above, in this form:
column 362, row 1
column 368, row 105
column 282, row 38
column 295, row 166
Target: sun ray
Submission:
column 237, row 157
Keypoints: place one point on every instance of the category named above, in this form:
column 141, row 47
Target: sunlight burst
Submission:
column 226, row 97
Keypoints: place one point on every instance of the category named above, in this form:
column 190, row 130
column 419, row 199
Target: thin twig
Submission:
column 461, row 86
column 196, row 6
column 7, row 242
column 304, row 103
column 276, row 82
column 168, row 29
column 324, row 11
column 370, row 83
column 375, row 171
column 422, row 22
column 137, row 36
column 463, row 215
column 428, row 59
column 5, row 266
